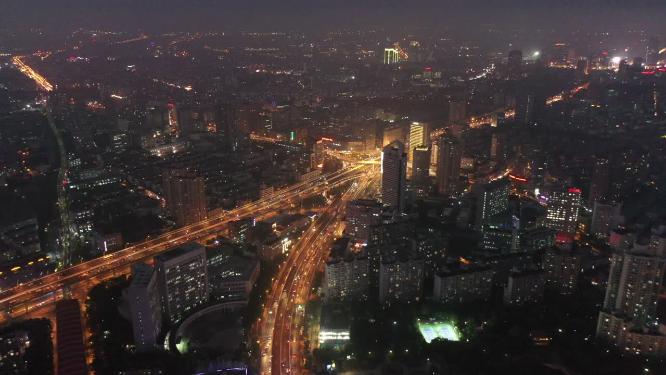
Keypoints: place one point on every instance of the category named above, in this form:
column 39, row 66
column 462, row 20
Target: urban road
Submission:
column 38, row 296
column 282, row 338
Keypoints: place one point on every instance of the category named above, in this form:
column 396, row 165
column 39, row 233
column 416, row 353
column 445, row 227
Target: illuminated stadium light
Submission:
column 438, row 330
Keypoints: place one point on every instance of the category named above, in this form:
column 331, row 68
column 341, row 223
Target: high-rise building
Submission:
column 600, row 182
column 524, row 286
column 19, row 239
column 515, row 65
column 562, row 268
column 497, row 155
column 231, row 277
column 492, row 200
column 421, row 166
column 535, row 239
column 361, row 215
column 463, row 283
column 70, row 348
column 457, row 111
column 634, row 281
column 605, row 217
column 394, row 175
column 182, row 280
column 395, row 133
column 629, row 314
column 392, row 56
column 527, row 107
column 419, row 136
column 656, row 103
column 448, row 165
column 238, row 230
column 400, row 279
column 185, row 196
column 652, row 51
column 173, row 127
column 347, row 278
column 562, row 210
column 145, row 307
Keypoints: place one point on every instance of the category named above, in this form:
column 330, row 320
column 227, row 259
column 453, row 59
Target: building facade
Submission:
column 394, row 176
column 400, row 279
column 145, row 307
column 448, row 165
column 182, row 280
column 185, row 196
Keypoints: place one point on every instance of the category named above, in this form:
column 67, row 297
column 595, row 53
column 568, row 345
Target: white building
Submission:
column 562, row 210
column 182, row 280
column 629, row 314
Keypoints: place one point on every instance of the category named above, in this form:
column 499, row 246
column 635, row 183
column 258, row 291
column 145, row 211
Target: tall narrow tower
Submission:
column 394, row 175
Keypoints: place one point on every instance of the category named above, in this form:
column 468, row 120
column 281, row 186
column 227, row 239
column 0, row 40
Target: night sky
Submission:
column 329, row 14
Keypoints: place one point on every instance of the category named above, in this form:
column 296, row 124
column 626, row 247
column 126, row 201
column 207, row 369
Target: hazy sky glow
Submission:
column 302, row 14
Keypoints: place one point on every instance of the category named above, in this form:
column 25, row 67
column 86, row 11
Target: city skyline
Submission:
column 319, row 187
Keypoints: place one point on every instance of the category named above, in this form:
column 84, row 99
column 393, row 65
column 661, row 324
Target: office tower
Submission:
column 562, row 268
column 515, row 65
column 562, row 210
column 500, row 238
column 394, row 175
column 319, row 152
column 497, row 155
column 145, row 308
column 628, row 317
column 182, row 280
column 119, row 142
column 656, row 103
column 393, row 55
column 600, row 181
column 448, row 165
column 457, row 111
column 526, row 107
column 461, row 283
column 361, row 215
column 498, row 119
column 173, row 127
column 231, row 277
column 421, row 166
column 524, row 286
column 238, row 230
column 185, row 196
column 400, row 279
column 582, row 67
column 535, row 239
column 652, row 51
column 560, row 54
column 70, row 348
column 395, row 133
column 419, row 136
column 157, row 118
column 492, row 201
column 605, row 217
column 19, row 239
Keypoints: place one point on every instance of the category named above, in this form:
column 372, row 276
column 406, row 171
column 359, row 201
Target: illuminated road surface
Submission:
column 41, row 82
column 41, row 293
column 281, row 327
